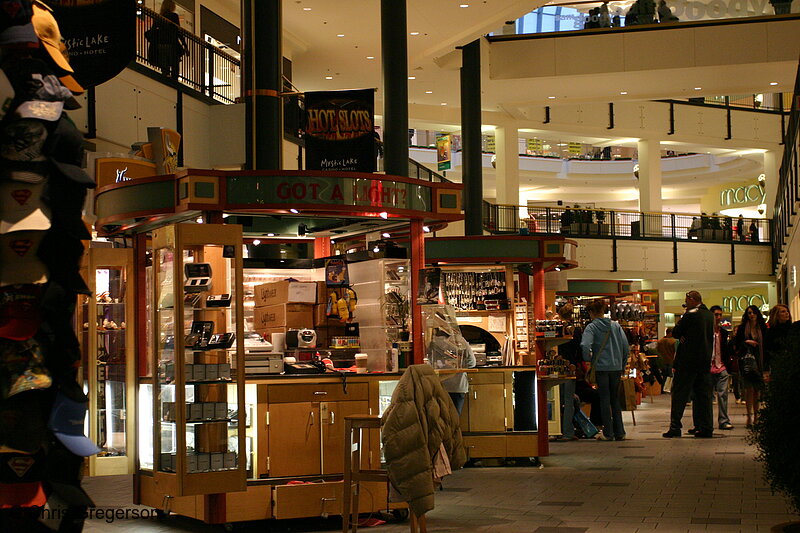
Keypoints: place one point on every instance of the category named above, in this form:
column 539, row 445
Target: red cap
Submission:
column 19, row 311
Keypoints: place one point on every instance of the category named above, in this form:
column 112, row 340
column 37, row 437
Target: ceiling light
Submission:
column 384, row 215
column 444, row 103
column 623, row 92
column 414, row 33
column 376, row 249
column 412, row 77
column 270, row 234
column 370, row 57
column 463, row 5
column 328, row 77
column 293, row 210
column 283, row 251
column 428, row 92
column 199, row 220
column 773, row 83
column 426, row 229
column 306, row 9
column 385, row 235
column 225, row 215
column 256, row 242
column 551, row 97
column 340, row 34
column 697, row 88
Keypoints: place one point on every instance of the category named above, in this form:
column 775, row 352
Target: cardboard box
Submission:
column 217, row 460
column 229, row 460
column 220, row 410
column 212, row 372
column 195, row 412
column 291, row 315
column 191, row 463
column 198, row 372
column 321, row 315
column 203, row 462
column 209, row 410
column 322, row 293
column 225, row 371
column 283, row 292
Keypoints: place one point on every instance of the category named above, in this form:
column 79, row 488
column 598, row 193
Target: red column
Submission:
column 322, row 247
column 417, row 235
column 541, row 392
column 141, row 295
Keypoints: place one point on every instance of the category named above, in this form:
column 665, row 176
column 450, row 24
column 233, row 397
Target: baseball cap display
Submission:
column 6, row 94
column 19, row 263
column 47, row 101
column 19, row 311
column 47, row 30
column 15, row 22
column 21, row 208
column 66, row 422
column 64, row 148
column 23, row 140
column 22, row 367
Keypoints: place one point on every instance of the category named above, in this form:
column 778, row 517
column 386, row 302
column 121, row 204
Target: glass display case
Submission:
column 107, row 338
column 199, row 413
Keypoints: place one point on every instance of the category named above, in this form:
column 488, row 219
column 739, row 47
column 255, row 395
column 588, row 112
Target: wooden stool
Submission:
column 353, row 474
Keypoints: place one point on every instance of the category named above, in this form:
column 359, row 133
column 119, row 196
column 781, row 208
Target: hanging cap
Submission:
column 19, row 311
column 21, row 207
column 6, row 94
column 19, row 263
column 15, row 23
column 66, row 422
column 50, row 36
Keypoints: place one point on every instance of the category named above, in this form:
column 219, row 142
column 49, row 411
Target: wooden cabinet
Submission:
column 487, row 407
column 294, row 439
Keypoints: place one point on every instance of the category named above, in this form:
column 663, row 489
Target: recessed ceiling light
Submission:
column 773, row 83
column 551, row 97
column 270, row 234
column 463, row 5
column 328, row 77
column 256, row 242
column 444, row 103
column 385, row 235
column 426, row 229
column 293, row 210
column 623, row 92
column 306, row 9
column 340, row 35
column 414, row 33
column 428, row 92
column 697, row 88
column 370, row 57
column 412, row 77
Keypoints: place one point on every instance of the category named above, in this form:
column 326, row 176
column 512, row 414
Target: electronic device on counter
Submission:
column 218, row 300
column 312, row 367
column 221, row 341
column 494, row 358
column 198, row 277
column 301, row 338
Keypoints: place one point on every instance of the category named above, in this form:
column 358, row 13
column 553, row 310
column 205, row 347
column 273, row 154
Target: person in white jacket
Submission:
column 606, row 341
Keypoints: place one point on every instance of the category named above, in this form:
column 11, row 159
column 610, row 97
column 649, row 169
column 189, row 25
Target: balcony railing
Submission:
column 204, row 69
column 613, row 224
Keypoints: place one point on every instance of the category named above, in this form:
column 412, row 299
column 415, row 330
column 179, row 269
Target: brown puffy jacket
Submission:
column 420, row 418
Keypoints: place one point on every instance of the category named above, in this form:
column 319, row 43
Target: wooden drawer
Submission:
column 311, row 499
column 482, row 377
column 323, row 392
column 255, row 504
column 485, row 446
column 522, row 445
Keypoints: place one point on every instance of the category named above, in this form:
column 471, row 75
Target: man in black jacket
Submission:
column 692, row 365
column 721, row 369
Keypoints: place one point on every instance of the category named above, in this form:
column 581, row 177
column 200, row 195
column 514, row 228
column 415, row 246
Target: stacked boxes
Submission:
column 284, row 305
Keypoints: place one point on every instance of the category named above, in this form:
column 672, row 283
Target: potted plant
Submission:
column 775, row 435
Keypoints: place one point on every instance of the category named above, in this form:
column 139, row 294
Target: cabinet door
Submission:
column 487, row 407
column 294, row 439
column 332, row 415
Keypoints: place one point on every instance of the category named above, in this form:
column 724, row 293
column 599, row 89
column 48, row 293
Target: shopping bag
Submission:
column 584, row 424
column 667, row 385
column 627, row 395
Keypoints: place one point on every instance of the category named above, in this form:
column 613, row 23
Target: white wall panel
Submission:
column 197, row 131
column 117, row 116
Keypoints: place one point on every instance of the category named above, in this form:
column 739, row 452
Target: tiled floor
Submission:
column 644, row 484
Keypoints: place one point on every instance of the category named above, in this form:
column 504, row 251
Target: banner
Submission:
column 443, row 152
column 339, row 130
column 99, row 35
column 575, row 148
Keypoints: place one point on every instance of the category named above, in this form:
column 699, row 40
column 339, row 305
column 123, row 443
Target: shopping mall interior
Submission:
column 528, row 158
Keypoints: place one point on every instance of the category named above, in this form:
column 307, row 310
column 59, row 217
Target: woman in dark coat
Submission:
column 166, row 44
column 778, row 327
column 751, row 336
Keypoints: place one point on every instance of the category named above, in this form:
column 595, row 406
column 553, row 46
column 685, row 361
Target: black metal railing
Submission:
column 614, row 224
column 421, row 172
column 203, row 68
column 787, row 191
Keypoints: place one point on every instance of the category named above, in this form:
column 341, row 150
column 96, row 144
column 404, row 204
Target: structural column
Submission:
column 772, row 164
column 650, row 185
column 506, row 144
column 394, row 49
column 471, row 137
column 417, row 235
column 263, row 58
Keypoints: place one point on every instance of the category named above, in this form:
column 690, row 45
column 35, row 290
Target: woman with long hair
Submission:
column 778, row 327
column 166, row 43
column 751, row 337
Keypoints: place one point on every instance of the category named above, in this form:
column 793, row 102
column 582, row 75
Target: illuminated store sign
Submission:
column 749, row 194
column 740, row 303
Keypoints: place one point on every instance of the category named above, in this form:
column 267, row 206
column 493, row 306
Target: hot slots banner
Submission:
column 340, row 130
